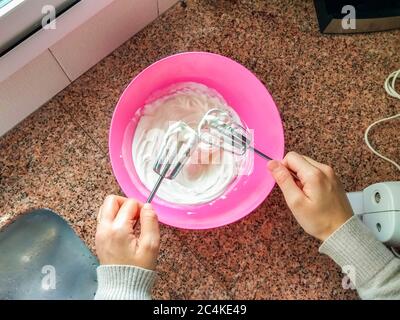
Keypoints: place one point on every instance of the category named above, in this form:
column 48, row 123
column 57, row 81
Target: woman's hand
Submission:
column 115, row 240
column 318, row 202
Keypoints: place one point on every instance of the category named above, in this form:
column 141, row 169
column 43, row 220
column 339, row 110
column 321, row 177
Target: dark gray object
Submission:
column 41, row 257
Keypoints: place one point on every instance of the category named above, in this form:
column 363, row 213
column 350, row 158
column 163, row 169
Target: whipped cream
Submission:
column 209, row 171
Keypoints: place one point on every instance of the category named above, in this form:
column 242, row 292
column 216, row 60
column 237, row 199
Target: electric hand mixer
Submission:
column 218, row 128
column 179, row 142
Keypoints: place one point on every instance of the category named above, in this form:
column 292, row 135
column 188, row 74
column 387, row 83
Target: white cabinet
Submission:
column 41, row 66
column 88, row 44
column 164, row 5
column 29, row 88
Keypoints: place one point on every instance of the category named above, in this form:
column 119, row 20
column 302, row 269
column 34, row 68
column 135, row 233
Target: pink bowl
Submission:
column 242, row 91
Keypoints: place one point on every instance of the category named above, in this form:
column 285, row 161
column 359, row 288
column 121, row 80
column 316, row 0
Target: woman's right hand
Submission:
column 319, row 202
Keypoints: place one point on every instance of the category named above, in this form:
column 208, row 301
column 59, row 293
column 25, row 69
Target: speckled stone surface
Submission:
column 327, row 88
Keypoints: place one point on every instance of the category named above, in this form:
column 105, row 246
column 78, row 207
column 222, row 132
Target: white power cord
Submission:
column 372, row 148
column 390, row 84
column 390, row 87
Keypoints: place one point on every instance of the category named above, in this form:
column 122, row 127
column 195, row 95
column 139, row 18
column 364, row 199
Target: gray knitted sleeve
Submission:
column 120, row 282
column 372, row 268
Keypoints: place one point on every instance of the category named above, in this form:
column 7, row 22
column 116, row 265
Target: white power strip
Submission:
column 378, row 206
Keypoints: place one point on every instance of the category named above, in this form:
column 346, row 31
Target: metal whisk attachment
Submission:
column 179, row 142
column 220, row 129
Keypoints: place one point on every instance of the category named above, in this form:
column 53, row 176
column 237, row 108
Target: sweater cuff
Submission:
column 123, row 282
column 355, row 249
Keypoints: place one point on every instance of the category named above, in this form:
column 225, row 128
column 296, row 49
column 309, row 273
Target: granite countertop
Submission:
column 328, row 89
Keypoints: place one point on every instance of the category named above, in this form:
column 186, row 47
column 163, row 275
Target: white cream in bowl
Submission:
column 209, row 172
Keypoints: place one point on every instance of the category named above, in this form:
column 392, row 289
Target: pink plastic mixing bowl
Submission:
column 243, row 92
